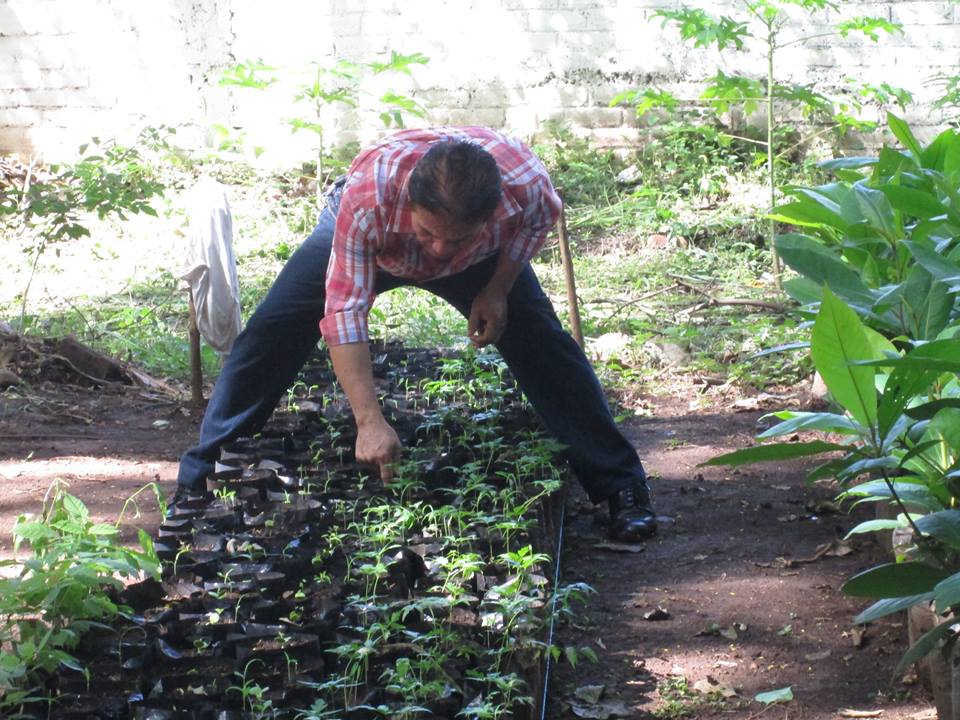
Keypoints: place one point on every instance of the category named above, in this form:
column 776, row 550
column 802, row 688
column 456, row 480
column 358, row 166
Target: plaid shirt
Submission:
column 374, row 229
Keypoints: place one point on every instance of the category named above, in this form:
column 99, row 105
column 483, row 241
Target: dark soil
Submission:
column 738, row 575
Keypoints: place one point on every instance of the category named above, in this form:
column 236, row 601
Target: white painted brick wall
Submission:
column 77, row 67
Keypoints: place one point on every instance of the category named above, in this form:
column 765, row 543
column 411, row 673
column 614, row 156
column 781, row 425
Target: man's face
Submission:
column 440, row 237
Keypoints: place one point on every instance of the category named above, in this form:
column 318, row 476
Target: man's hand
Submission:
column 488, row 317
column 378, row 444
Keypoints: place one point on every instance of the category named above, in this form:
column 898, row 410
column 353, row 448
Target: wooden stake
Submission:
column 565, row 258
column 196, row 369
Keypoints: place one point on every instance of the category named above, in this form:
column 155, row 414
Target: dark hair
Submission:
column 458, row 178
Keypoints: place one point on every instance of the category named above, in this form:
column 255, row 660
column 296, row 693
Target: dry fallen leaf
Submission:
column 849, row 713
column 656, row 614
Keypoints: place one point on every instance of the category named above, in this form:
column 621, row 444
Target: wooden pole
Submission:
column 196, row 369
column 565, row 258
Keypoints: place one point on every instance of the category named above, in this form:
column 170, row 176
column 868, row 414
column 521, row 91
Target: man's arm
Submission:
column 488, row 313
column 377, row 442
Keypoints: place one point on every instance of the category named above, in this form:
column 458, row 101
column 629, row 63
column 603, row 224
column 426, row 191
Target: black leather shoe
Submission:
column 187, row 501
column 631, row 515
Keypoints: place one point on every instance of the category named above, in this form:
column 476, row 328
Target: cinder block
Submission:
column 21, row 117
column 529, row 4
column 16, row 141
column 922, row 13
column 489, row 117
column 567, row 20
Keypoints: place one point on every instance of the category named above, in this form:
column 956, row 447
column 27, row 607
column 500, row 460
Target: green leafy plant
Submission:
column 883, row 236
column 51, row 206
column 899, row 420
column 330, row 87
column 768, row 26
column 65, row 588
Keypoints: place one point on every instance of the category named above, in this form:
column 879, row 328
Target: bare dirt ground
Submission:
column 739, row 589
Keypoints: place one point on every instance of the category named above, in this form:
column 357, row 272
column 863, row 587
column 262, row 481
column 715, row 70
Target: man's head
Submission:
column 454, row 189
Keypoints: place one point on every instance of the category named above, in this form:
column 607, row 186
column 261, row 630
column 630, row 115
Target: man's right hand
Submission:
column 378, row 444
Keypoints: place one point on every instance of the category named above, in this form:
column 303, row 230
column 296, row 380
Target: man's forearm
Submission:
column 351, row 363
column 505, row 274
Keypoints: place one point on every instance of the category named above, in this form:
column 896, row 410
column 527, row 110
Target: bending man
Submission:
column 458, row 212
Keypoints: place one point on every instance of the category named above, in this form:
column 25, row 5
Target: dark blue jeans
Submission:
column 547, row 363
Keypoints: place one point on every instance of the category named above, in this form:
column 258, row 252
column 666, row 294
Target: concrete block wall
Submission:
column 78, row 68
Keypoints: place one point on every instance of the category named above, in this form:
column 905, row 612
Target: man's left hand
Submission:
column 488, row 317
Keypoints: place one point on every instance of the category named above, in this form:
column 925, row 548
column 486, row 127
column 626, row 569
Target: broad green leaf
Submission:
column 936, row 264
column 804, row 290
column 873, row 464
column 783, row 695
column 947, row 593
column 943, row 525
column 888, row 606
column 808, row 213
column 894, row 580
column 796, row 421
column 939, row 356
column 913, row 494
column 902, row 132
column 866, row 205
column 870, row 526
column 838, row 340
column 812, row 260
column 848, row 163
column 922, row 647
column 774, row 451
column 103, row 529
column 926, row 411
column 927, row 304
column 913, row 203
column 946, row 144
column 33, row 531
column 945, row 425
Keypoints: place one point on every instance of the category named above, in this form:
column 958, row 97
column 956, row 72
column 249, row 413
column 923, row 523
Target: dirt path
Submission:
column 728, row 593
column 728, row 573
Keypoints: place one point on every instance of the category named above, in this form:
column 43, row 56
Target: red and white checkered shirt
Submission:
column 374, row 229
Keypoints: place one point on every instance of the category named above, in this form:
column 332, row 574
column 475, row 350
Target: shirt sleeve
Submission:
column 350, row 288
column 541, row 209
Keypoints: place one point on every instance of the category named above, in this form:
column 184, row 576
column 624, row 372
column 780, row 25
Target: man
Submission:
column 458, row 212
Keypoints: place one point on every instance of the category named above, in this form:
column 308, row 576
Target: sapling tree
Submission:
column 330, row 88
column 52, row 206
column 768, row 27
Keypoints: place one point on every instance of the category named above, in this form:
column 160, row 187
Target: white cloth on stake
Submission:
column 211, row 269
